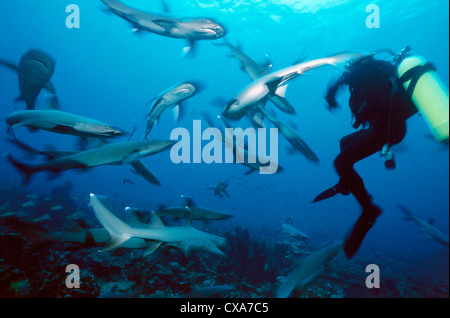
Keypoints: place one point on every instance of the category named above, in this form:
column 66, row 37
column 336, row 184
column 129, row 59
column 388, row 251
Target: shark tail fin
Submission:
column 116, row 228
column 25, row 170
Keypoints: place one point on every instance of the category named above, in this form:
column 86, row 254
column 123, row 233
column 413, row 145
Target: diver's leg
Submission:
column 353, row 149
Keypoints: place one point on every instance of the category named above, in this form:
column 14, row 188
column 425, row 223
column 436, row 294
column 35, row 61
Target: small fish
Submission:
column 220, row 189
column 289, row 228
column 44, row 217
column 29, row 204
column 57, row 208
column 4, row 206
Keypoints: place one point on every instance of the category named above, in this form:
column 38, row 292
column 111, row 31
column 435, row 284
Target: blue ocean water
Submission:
column 106, row 72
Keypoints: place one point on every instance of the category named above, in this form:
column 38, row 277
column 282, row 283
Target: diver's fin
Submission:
column 331, row 192
column 359, row 231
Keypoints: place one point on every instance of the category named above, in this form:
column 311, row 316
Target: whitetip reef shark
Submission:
column 427, row 227
column 256, row 70
column 195, row 212
column 275, row 83
column 173, row 96
column 288, row 228
column 292, row 136
column 61, row 122
column 190, row 29
column 309, row 268
column 35, row 70
column 184, row 237
column 128, row 152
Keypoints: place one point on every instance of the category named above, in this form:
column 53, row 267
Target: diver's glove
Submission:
column 330, row 97
column 331, row 100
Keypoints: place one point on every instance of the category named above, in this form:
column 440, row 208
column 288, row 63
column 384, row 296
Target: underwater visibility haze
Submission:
column 90, row 171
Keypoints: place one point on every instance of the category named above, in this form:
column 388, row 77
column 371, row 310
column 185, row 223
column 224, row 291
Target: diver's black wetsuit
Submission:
column 382, row 112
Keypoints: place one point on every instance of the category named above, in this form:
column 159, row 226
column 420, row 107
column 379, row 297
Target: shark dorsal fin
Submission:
column 188, row 200
column 156, row 222
column 289, row 221
column 89, row 238
column 431, row 220
column 132, row 217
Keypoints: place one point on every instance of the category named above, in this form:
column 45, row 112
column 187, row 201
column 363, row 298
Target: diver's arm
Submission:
column 332, row 90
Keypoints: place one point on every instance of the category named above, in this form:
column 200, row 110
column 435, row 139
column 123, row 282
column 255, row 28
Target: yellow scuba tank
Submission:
column 428, row 94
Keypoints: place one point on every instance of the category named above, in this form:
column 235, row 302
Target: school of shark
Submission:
column 177, row 240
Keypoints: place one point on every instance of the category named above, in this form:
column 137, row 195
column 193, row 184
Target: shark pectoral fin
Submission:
column 141, row 169
column 184, row 247
column 281, row 91
column 10, row 65
column 189, row 49
column 211, row 247
column 131, row 158
column 151, row 247
column 249, row 171
column 176, row 112
column 54, row 103
column 49, row 86
column 272, row 86
column 242, row 67
column 115, row 241
column 137, row 31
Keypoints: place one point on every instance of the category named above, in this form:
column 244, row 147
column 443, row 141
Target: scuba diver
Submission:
column 380, row 106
